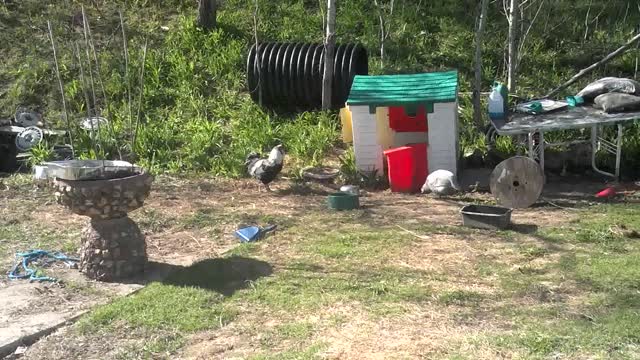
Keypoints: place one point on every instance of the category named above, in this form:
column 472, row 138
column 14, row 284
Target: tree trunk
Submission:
column 513, row 45
column 382, row 31
column 207, row 14
column 255, row 38
column 329, row 48
column 384, row 26
column 477, row 110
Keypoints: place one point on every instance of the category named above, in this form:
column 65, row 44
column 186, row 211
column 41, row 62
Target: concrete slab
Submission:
column 30, row 311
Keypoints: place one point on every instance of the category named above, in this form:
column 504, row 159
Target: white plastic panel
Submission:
column 443, row 138
column 367, row 151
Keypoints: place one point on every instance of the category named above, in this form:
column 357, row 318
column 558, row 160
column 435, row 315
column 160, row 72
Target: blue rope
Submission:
column 22, row 270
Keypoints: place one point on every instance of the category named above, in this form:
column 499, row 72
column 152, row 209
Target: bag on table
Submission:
column 617, row 102
column 610, row 85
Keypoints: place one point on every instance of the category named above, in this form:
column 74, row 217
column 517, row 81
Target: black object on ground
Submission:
column 289, row 75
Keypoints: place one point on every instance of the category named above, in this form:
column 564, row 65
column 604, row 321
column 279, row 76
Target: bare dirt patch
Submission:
column 421, row 333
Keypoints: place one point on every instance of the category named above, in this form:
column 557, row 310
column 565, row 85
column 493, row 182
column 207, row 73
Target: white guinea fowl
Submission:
column 441, row 182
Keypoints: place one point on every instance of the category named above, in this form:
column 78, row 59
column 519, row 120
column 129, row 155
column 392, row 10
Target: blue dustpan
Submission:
column 253, row 233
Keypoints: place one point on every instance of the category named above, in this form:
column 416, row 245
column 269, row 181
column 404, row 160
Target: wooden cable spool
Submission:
column 517, row 182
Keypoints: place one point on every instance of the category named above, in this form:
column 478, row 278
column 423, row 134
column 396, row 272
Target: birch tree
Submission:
column 477, row 110
column 513, row 12
column 329, row 49
column 384, row 25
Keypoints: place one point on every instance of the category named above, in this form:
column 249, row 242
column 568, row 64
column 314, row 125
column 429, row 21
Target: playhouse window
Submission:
column 408, row 119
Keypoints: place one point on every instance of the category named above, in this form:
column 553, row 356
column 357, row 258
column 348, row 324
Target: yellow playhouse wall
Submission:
column 347, row 125
column 385, row 133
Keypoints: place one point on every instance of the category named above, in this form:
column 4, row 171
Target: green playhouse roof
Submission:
column 404, row 90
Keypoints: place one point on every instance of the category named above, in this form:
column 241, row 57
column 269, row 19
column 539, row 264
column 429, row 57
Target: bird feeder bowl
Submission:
column 343, row 201
column 89, row 169
column 320, row 174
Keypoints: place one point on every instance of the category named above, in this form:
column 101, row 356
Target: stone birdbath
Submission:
column 113, row 247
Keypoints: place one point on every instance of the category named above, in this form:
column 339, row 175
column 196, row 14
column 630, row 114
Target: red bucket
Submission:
column 407, row 167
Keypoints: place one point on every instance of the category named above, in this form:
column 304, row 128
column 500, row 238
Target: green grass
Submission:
column 344, row 266
column 296, row 331
column 245, row 250
column 202, row 218
column 605, row 269
column 23, row 182
column 362, row 245
column 307, row 290
column 608, row 334
column 460, row 297
column 310, row 353
column 19, row 236
column 191, row 299
column 164, row 307
column 531, row 252
column 162, row 345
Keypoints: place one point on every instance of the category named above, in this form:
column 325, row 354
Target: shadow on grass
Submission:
column 524, row 228
column 222, row 275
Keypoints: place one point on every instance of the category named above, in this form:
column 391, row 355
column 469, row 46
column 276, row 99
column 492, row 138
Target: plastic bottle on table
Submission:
column 498, row 101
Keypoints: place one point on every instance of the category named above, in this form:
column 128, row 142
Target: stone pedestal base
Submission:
column 112, row 249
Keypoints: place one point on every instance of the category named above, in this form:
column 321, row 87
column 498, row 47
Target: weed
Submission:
column 162, row 344
column 460, row 297
column 310, row 353
column 533, row 252
column 40, row 153
column 350, row 174
column 290, row 331
column 151, row 220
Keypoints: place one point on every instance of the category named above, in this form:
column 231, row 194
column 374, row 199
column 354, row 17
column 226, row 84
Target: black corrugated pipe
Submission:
column 291, row 73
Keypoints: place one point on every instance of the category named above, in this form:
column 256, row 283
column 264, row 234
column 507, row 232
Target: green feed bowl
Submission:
column 343, row 201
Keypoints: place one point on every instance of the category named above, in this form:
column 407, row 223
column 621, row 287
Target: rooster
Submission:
column 441, row 182
column 267, row 169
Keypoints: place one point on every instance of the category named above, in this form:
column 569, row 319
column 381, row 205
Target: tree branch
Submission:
column 586, row 70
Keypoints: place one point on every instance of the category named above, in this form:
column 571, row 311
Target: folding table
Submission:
column 583, row 117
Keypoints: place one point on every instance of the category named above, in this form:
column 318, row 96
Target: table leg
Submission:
column 619, row 151
column 594, row 147
column 532, row 153
column 541, row 150
column 608, row 146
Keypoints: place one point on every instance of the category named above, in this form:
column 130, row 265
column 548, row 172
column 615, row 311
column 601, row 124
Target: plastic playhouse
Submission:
column 411, row 120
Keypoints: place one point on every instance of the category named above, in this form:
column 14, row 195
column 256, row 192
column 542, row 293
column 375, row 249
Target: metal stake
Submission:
column 64, row 102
